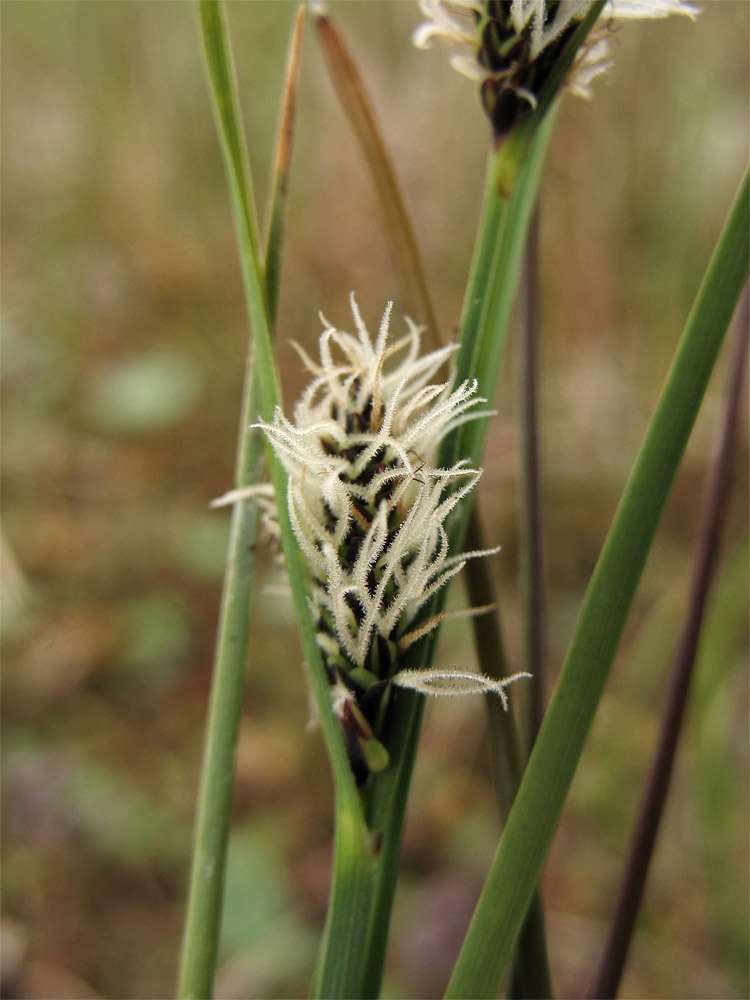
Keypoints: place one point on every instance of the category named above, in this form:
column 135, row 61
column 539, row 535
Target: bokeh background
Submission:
column 123, row 335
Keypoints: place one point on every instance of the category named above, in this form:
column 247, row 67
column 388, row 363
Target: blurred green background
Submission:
column 123, row 335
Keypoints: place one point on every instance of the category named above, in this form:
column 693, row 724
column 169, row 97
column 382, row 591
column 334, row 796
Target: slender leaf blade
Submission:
column 489, row 943
column 351, row 91
column 281, row 166
column 200, row 941
column 233, row 147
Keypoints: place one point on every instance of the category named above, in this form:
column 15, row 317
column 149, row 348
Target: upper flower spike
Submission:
column 368, row 507
column 511, row 46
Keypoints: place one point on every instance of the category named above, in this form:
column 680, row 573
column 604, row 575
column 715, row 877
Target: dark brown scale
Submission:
column 352, row 453
column 389, row 538
column 489, row 54
column 407, row 561
column 363, row 511
column 367, row 475
column 385, row 659
column 516, row 50
column 503, row 106
column 357, row 761
column 506, row 56
column 351, row 721
column 374, row 466
column 353, row 604
column 367, row 413
column 343, row 675
column 370, row 701
column 329, row 446
column 350, row 547
column 499, row 9
column 385, row 492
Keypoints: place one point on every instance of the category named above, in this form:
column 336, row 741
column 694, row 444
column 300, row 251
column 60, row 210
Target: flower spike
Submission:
column 510, row 47
column 368, row 507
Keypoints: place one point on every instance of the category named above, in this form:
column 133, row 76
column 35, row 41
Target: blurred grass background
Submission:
column 123, row 335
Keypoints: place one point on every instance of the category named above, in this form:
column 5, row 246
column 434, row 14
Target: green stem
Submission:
column 489, row 943
column 532, row 564
column 490, row 296
column 531, row 966
column 386, row 807
column 531, row 953
column 200, row 942
column 499, row 246
column 206, row 887
column 206, row 893
column 223, row 88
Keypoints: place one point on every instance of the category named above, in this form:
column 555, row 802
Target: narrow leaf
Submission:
column 281, row 166
column 233, row 147
column 200, row 941
column 489, row 943
column 352, row 94
column 633, row 882
column 533, row 603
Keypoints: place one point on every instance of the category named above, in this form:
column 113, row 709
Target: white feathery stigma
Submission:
column 368, row 507
column 459, row 24
column 359, row 453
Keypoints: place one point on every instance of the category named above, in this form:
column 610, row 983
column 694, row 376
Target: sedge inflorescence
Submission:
column 510, row 47
column 368, row 508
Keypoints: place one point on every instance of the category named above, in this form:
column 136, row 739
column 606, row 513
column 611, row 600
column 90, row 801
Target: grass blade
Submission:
column 200, row 940
column 489, row 943
column 281, row 167
column 636, row 869
column 357, row 106
column 203, row 921
column 230, row 130
column 532, row 562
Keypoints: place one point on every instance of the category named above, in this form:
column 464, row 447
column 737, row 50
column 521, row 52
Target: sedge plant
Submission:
column 372, row 473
